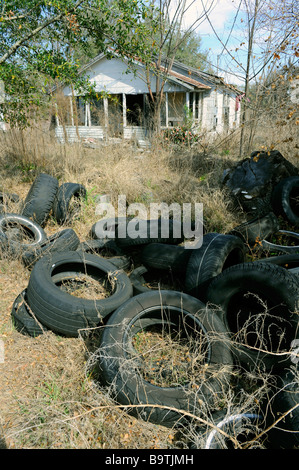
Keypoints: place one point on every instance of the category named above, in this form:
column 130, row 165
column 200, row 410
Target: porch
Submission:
column 126, row 116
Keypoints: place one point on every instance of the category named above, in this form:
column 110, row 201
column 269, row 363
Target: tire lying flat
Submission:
column 287, row 260
column 107, row 249
column 132, row 233
column 166, row 257
column 64, row 313
column 281, row 248
column 106, row 228
column 119, row 361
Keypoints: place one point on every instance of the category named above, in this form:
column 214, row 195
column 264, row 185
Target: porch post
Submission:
column 88, row 115
column 166, row 109
column 124, row 110
column 106, row 112
column 187, row 99
column 56, row 115
column 72, row 111
column 85, row 116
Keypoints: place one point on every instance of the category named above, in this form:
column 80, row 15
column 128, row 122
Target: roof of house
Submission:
column 187, row 76
column 187, row 79
column 171, row 74
column 209, row 77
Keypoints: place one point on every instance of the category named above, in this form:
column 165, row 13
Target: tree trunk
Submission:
column 247, row 76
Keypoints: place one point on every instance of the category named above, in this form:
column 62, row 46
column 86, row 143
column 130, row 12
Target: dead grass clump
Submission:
column 84, row 287
column 49, row 402
column 168, row 361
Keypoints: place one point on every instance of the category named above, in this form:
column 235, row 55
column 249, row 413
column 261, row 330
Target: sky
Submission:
column 222, row 16
column 228, row 22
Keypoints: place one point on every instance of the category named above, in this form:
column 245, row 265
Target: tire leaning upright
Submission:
column 66, row 194
column 64, row 240
column 284, row 199
column 40, row 198
column 217, row 253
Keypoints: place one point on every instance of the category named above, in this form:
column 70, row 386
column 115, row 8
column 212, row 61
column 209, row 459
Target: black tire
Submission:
column 137, row 233
column 230, row 431
column 18, row 233
column 40, row 198
column 64, row 313
column 119, row 363
column 138, row 281
column 275, row 248
column 67, row 193
column 108, row 250
column 256, row 229
column 64, row 240
column 217, row 253
column 166, row 257
column 12, row 197
column 284, row 199
column 288, row 261
column 106, row 228
column 259, row 303
column 23, row 319
column 283, row 415
column 146, row 280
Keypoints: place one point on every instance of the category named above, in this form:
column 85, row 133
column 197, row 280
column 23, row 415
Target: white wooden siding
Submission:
column 113, row 77
column 85, row 132
column 98, row 133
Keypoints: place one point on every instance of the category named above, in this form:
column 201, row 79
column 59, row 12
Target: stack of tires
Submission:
column 23, row 233
column 235, row 314
column 251, row 306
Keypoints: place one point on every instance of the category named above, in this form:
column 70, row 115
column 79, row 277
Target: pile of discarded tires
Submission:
column 236, row 313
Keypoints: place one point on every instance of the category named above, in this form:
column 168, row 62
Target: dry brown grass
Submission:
column 48, row 397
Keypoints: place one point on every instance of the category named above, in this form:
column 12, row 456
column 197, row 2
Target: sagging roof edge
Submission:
column 188, row 82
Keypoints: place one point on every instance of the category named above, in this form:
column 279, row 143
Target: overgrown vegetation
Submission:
column 49, row 395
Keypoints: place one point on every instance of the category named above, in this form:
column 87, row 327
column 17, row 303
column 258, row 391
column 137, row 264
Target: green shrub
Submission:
column 181, row 135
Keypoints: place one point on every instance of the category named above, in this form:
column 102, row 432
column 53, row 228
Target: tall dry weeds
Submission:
column 48, row 398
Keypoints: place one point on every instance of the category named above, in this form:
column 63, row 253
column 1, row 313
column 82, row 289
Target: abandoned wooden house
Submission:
column 123, row 108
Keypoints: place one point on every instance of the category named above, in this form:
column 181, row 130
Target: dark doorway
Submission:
column 134, row 110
